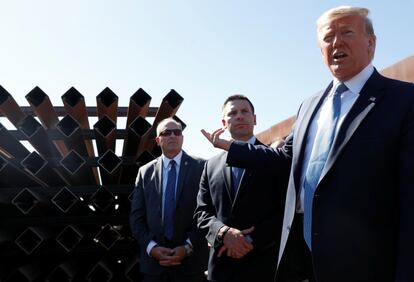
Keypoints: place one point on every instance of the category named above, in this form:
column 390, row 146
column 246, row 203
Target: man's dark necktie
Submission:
column 321, row 147
column 236, row 173
column 169, row 202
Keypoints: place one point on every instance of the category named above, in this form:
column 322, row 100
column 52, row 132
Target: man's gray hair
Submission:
column 342, row 11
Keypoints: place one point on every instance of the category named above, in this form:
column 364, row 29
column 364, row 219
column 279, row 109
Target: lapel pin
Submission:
column 185, row 163
column 372, row 99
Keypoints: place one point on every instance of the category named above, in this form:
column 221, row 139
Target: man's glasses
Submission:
column 168, row 132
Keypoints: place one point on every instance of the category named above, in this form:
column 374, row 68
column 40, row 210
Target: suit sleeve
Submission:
column 195, row 236
column 405, row 257
column 259, row 156
column 205, row 214
column 138, row 221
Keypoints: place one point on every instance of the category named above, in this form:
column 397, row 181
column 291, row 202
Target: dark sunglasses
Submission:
column 168, row 132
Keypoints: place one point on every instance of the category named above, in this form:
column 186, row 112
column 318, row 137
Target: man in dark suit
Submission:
column 171, row 247
column 348, row 214
column 239, row 210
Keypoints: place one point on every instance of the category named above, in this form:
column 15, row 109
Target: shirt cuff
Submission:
column 151, row 245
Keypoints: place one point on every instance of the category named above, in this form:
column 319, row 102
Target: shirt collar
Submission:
column 356, row 83
column 252, row 140
column 166, row 161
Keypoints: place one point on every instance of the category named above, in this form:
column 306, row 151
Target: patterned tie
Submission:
column 169, row 202
column 321, row 147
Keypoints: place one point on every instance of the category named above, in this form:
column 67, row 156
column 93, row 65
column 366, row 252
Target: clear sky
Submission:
column 205, row 50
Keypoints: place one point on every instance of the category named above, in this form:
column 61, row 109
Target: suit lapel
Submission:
column 304, row 120
column 226, row 172
column 182, row 174
column 369, row 96
column 158, row 180
column 244, row 179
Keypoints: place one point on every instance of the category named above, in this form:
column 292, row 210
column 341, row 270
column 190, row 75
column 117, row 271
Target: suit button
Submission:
column 315, row 195
column 315, row 234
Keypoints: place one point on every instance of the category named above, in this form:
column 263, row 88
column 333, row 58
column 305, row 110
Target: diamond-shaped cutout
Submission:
column 65, row 199
column 107, row 237
column 140, row 126
column 104, row 126
column 29, row 240
column 72, row 162
column 107, row 97
column 36, row 96
column 33, row 162
column 69, row 238
column 102, row 198
column 109, row 161
column 140, row 97
column 72, row 97
column 173, row 99
column 100, row 272
column 144, row 158
column 25, row 201
column 68, row 125
column 29, row 126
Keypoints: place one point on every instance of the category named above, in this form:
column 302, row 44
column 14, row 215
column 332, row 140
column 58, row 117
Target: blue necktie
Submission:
column 237, row 173
column 169, row 202
column 321, row 147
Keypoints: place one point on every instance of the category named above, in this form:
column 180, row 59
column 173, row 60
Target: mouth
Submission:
column 337, row 56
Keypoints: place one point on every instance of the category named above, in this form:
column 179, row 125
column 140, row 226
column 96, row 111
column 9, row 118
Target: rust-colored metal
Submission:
column 138, row 106
column 74, row 141
column 107, row 104
column 43, row 108
column 277, row 132
column 10, row 146
column 168, row 108
column 13, row 176
column 38, row 137
column 74, row 104
column 137, row 129
column 38, row 167
column 105, row 135
column 9, row 108
column 403, row 70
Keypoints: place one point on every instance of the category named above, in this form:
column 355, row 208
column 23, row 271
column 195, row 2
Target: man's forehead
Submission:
column 340, row 22
column 170, row 125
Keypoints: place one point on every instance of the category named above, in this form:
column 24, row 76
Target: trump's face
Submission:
column 346, row 47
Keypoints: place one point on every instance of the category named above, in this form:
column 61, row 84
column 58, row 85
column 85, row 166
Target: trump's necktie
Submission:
column 169, row 202
column 320, row 150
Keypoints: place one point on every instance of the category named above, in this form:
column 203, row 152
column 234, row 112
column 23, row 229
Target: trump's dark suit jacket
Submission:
column 146, row 214
column 363, row 215
column 258, row 202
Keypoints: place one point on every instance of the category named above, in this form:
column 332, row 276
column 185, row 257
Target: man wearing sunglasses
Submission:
column 241, row 221
column 171, row 247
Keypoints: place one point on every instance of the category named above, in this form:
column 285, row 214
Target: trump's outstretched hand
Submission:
column 215, row 139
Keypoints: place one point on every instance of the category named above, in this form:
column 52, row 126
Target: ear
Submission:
column 157, row 139
column 371, row 43
column 254, row 119
column 223, row 123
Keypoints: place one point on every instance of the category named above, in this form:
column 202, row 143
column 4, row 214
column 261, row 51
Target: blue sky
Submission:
column 205, row 50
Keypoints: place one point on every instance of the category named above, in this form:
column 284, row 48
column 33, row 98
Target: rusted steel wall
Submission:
column 64, row 207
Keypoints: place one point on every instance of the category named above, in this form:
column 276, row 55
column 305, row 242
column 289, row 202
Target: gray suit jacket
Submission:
column 146, row 214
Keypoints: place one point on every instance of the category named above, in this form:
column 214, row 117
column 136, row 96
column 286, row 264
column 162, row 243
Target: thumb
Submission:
column 248, row 231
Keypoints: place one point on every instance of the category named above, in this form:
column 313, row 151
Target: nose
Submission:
column 337, row 40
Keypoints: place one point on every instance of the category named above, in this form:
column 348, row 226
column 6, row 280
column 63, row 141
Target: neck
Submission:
column 242, row 138
column 170, row 155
